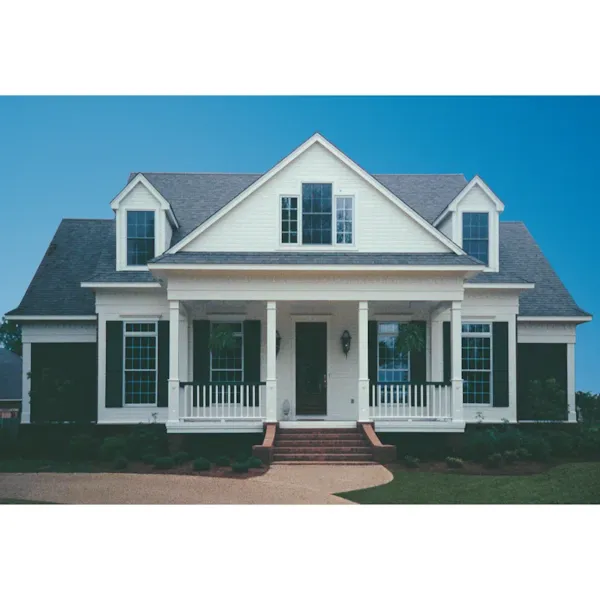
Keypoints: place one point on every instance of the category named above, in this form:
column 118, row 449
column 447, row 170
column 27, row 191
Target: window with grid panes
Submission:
column 392, row 366
column 289, row 220
column 227, row 364
column 316, row 213
column 140, row 237
column 140, row 369
column 476, row 235
column 477, row 363
column 343, row 219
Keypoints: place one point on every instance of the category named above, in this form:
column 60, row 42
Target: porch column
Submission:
column 456, row 352
column 26, row 384
column 173, row 416
column 572, row 414
column 363, row 361
column 271, row 392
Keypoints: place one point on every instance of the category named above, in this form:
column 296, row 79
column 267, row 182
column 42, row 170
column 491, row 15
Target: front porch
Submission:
column 292, row 367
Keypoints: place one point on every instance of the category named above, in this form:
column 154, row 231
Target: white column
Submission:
column 456, row 352
column 173, row 416
column 271, row 392
column 512, row 368
column 437, row 348
column 363, row 361
column 571, row 383
column 26, row 383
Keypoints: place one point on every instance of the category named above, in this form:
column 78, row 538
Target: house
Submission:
column 218, row 302
column 10, row 383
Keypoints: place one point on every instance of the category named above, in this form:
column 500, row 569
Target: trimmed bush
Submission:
column 522, row 454
column 149, row 459
column 562, row 444
column 479, row 444
column 255, row 463
column 453, row 462
column 411, row 462
column 222, row 461
column 494, row 461
column 83, row 447
column 181, row 457
column 538, row 448
column 510, row 457
column 202, row 464
column 120, row 463
column 112, row 447
column 164, row 462
column 240, row 467
column 147, row 439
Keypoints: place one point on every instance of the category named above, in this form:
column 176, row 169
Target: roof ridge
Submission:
column 192, row 173
column 420, row 174
column 84, row 219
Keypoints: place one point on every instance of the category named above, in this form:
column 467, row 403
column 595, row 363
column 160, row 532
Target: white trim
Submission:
column 308, row 267
column 316, row 138
column 500, row 286
column 479, row 334
column 140, row 334
column 353, row 202
column 50, row 318
column 281, row 243
column 581, row 319
column 457, row 200
column 109, row 285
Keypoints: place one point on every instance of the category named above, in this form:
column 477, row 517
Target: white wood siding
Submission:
column 254, row 224
column 546, row 333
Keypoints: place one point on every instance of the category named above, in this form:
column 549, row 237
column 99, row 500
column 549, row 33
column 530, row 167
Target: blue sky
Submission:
column 68, row 157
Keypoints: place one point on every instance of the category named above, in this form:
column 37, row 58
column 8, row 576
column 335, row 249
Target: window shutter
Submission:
column 251, row 351
column 114, row 364
column 447, row 353
column 418, row 360
column 163, row 363
column 500, row 366
column 201, row 351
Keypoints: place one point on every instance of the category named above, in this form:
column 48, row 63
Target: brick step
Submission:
column 337, row 463
column 322, row 449
column 285, row 443
column 318, row 430
column 319, row 436
column 364, row 457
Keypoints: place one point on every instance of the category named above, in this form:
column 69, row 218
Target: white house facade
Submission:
column 223, row 302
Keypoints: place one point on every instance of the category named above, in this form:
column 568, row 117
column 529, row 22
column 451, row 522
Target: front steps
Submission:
column 318, row 446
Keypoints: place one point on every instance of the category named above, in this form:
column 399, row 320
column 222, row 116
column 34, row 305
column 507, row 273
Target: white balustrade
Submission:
column 411, row 401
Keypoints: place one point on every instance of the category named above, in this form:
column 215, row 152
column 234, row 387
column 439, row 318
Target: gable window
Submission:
column 316, row 213
column 140, row 237
column 289, row 220
column 477, row 363
column 227, row 362
column 344, row 219
column 476, row 235
column 140, row 371
column 392, row 365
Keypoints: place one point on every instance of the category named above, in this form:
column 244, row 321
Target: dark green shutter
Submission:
column 500, row 366
column 418, row 358
column 447, row 352
column 114, row 364
column 252, row 351
column 372, row 357
column 201, row 351
column 163, row 363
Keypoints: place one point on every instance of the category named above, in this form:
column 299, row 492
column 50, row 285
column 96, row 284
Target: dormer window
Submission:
column 140, row 237
column 476, row 236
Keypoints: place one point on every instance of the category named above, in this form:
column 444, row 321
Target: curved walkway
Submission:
column 282, row 484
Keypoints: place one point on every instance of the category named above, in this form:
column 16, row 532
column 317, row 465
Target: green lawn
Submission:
column 574, row 483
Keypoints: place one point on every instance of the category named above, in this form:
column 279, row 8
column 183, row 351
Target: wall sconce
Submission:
column 277, row 342
column 346, row 339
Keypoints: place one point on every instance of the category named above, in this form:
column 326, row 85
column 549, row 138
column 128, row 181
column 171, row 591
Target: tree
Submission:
column 10, row 336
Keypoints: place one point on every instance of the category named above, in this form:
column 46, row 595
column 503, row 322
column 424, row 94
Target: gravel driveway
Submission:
column 282, row 484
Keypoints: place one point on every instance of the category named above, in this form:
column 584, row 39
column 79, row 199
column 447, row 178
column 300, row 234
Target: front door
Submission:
column 311, row 369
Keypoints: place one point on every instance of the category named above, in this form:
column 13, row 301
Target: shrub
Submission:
column 181, row 457
column 494, row 461
column 508, row 438
column 562, row 444
column 588, row 408
column 164, row 462
column 201, row 464
column 241, row 457
column 538, row 448
column 479, row 444
column 112, row 447
column 83, row 447
column 120, row 463
column 453, row 462
column 149, row 459
column 222, row 461
column 240, row 467
column 510, row 457
column 522, row 454
column 411, row 462
column 254, row 462
column 589, row 443
column 544, row 400
column 146, row 439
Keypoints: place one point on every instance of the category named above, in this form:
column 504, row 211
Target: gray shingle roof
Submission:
column 10, row 375
column 316, row 258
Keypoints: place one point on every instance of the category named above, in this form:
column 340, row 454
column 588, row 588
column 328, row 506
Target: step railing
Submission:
column 411, row 401
column 241, row 400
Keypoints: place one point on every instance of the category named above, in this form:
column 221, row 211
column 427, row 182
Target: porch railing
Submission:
column 411, row 401
column 223, row 400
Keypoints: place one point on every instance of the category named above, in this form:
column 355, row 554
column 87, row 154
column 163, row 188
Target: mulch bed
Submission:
column 472, row 468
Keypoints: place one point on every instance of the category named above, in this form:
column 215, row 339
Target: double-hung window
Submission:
column 476, row 235
column 317, row 217
column 392, row 366
column 227, row 360
column 140, row 350
column 477, row 363
column 140, row 237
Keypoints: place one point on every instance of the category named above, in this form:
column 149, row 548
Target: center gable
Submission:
column 376, row 222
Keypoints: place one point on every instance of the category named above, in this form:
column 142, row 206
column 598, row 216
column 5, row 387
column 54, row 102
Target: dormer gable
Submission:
column 472, row 220
column 145, row 223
